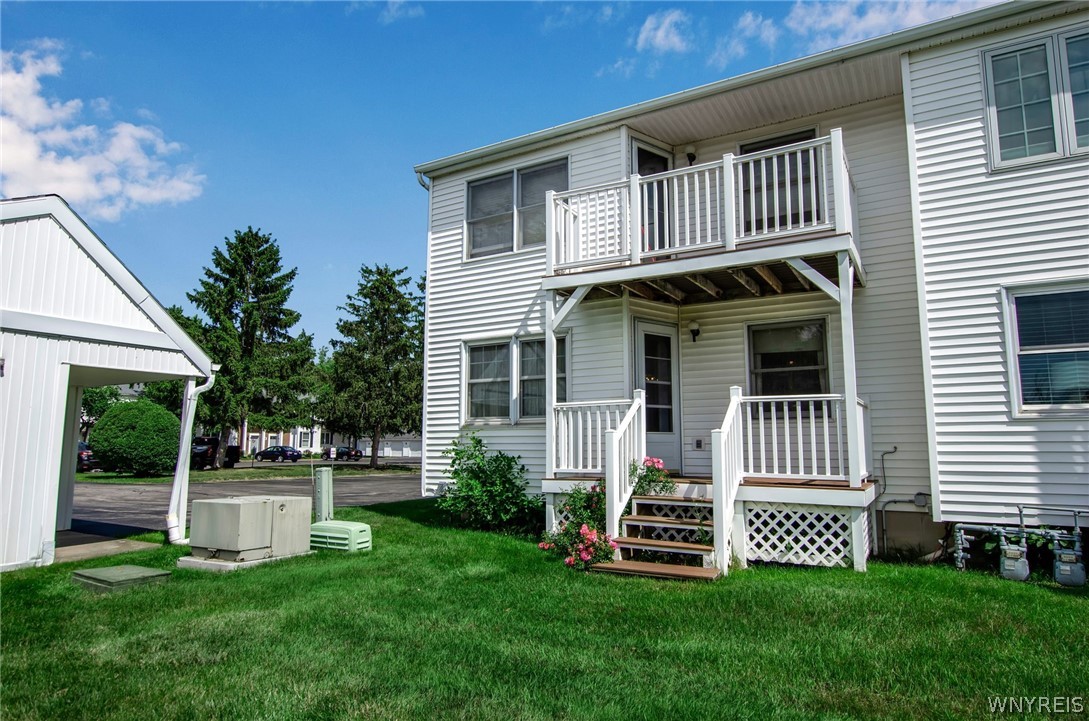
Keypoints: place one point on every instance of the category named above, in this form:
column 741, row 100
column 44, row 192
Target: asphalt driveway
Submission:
column 144, row 505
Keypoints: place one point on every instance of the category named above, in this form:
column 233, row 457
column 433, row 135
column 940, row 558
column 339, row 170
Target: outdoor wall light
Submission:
column 694, row 329
column 690, row 151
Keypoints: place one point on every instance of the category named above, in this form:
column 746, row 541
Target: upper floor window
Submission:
column 506, row 212
column 1038, row 99
column 1051, row 346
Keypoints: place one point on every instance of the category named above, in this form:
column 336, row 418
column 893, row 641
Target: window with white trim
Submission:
column 787, row 359
column 327, row 438
column 492, row 376
column 304, row 439
column 500, row 205
column 1051, row 346
column 1038, row 99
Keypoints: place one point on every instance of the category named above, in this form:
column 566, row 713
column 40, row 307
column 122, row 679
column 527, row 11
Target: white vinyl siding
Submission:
column 490, row 298
column 980, row 232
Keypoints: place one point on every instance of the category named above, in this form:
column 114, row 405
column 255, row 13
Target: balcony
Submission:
column 789, row 194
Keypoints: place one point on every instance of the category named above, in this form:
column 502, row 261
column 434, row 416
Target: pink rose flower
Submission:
column 570, row 561
column 584, row 556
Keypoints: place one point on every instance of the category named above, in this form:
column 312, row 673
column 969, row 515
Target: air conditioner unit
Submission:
column 341, row 536
column 248, row 528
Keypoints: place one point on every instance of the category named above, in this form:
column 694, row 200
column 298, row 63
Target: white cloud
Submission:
column 103, row 171
column 750, row 27
column 727, row 49
column 399, row 10
column 624, row 67
column 826, row 25
column 663, row 32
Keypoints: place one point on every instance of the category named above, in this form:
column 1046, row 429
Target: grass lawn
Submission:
column 245, row 473
column 443, row 623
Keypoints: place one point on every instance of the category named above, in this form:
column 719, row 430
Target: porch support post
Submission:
column 635, row 219
column 550, row 512
column 550, row 384
column 841, row 185
column 550, row 230
column 859, row 541
column 850, row 375
column 729, row 198
column 739, row 537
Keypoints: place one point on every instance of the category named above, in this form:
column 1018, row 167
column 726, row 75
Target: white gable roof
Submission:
column 58, row 278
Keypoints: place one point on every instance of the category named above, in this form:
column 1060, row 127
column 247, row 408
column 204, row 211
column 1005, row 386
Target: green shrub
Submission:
column 140, row 437
column 580, row 541
column 488, row 491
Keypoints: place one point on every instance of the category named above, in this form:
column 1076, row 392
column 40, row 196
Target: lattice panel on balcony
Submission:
column 795, row 533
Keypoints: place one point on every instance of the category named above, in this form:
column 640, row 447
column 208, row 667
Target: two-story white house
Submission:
column 853, row 282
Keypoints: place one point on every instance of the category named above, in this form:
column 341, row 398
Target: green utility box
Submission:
column 340, row 536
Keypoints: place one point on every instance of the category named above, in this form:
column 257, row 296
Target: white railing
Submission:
column 624, row 445
column 784, row 190
column 727, row 471
column 580, row 430
column 863, row 439
column 795, row 436
column 793, row 189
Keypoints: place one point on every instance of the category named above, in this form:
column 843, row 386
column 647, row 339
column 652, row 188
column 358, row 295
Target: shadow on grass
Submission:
column 426, row 512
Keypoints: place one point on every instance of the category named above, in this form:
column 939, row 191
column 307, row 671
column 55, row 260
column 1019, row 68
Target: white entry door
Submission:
column 656, row 372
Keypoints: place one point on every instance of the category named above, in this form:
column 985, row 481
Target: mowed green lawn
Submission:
column 443, row 623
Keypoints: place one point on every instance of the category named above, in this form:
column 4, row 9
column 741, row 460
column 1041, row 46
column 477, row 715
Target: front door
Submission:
column 656, row 352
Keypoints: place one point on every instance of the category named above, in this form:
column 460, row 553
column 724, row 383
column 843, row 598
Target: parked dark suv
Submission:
column 279, row 453
column 85, row 460
column 343, row 453
column 204, row 452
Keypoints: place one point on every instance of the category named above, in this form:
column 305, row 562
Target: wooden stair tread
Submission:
column 674, row 499
column 655, row 543
column 657, row 570
column 663, row 520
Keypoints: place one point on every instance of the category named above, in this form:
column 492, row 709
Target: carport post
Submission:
column 179, row 494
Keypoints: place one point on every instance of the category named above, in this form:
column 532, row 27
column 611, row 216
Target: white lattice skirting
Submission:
column 804, row 534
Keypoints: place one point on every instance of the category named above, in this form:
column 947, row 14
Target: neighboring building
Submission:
column 71, row 316
column 883, row 249
column 316, row 439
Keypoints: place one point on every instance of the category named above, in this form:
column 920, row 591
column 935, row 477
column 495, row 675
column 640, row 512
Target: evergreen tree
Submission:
column 377, row 365
column 265, row 372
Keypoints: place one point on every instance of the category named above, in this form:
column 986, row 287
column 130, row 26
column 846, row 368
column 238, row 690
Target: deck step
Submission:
column 657, row 570
column 666, row 522
column 676, row 500
column 652, row 544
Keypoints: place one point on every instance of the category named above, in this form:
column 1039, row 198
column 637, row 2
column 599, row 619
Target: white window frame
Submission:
column 467, row 381
column 305, row 434
column 1062, row 112
column 786, row 322
column 516, row 245
column 515, row 378
column 1009, row 295
column 1067, row 100
column 326, row 438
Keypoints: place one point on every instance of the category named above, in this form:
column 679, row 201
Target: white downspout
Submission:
column 179, row 494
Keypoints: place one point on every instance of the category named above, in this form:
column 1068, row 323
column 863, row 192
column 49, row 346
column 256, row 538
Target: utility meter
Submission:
column 1013, row 562
column 1069, row 568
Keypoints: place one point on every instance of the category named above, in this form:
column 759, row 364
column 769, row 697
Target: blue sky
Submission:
column 169, row 125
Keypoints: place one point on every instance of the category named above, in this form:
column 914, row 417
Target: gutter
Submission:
column 179, row 493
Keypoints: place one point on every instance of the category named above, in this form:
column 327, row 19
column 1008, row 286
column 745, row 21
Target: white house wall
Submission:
column 980, row 231
column 491, row 298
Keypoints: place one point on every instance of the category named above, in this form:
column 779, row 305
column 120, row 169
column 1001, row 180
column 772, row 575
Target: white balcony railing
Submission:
column 803, row 188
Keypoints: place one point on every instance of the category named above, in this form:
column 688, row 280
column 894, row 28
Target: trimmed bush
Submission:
column 488, row 491
column 140, row 437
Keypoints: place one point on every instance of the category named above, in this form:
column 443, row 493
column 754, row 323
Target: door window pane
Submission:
column 658, row 371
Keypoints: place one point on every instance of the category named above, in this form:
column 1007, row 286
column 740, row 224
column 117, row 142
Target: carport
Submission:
column 72, row 316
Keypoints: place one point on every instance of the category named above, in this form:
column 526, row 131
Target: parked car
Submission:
column 203, row 452
column 279, row 453
column 85, row 459
column 343, row 453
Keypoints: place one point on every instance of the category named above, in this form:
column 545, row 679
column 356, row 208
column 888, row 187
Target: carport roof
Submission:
column 173, row 337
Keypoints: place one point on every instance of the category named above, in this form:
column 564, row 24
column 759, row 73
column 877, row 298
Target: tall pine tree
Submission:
column 264, row 373
column 377, row 368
